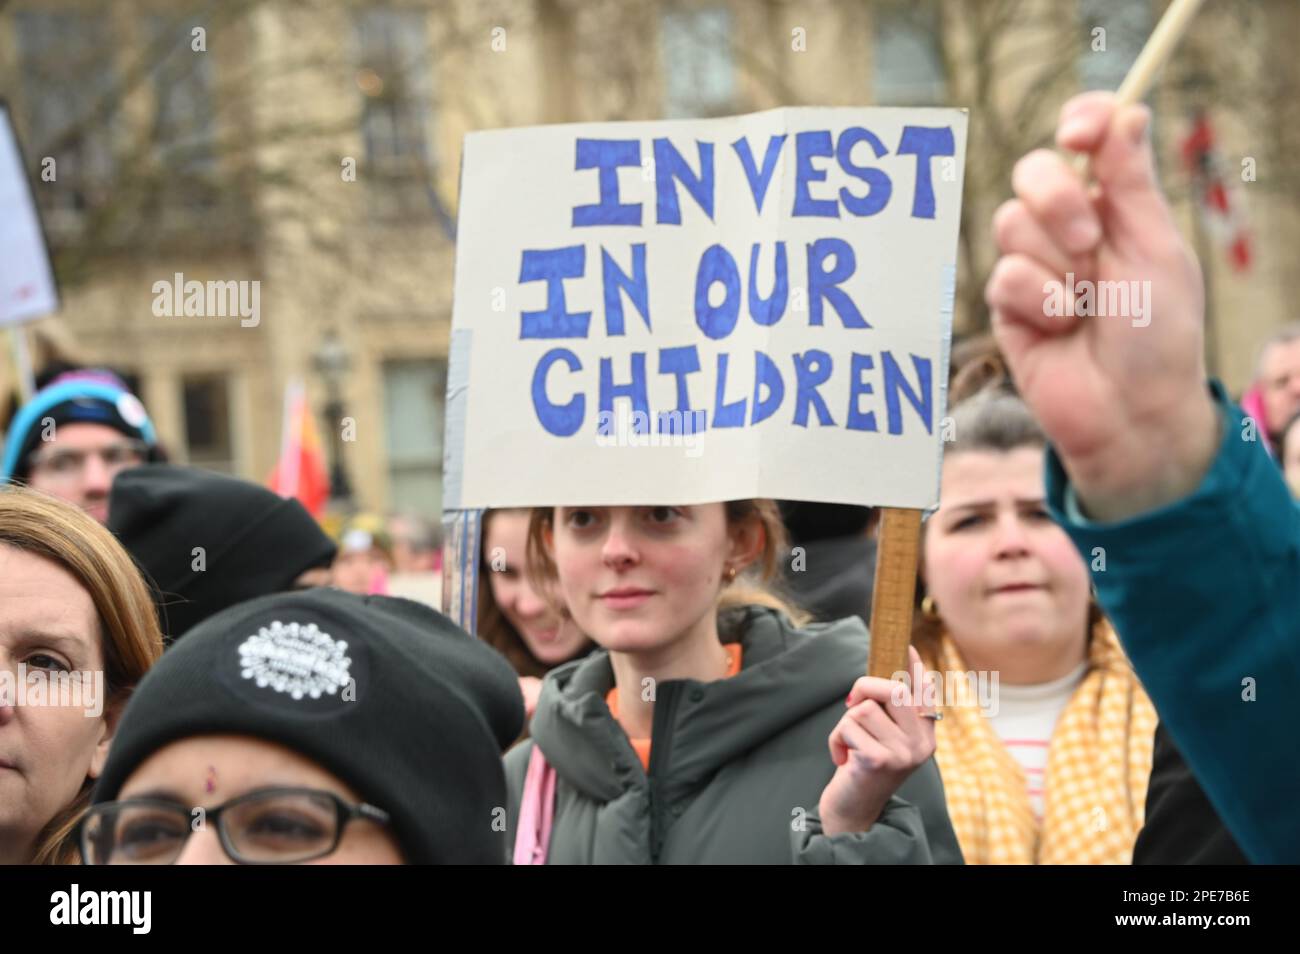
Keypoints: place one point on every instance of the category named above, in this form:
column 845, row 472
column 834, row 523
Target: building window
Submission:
column 699, row 69
column 66, row 65
column 414, row 392
column 206, row 402
column 1114, row 32
column 182, row 86
column 908, row 70
column 393, row 78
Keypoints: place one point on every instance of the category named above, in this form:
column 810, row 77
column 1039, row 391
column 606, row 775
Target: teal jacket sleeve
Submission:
column 1205, row 595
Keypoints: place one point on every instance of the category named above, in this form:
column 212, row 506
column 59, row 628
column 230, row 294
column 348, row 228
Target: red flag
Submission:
column 300, row 471
column 1222, row 215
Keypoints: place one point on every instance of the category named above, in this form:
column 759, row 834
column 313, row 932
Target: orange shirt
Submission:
column 642, row 746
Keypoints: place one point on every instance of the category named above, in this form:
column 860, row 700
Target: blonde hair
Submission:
column 131, row 641
column 757, row 586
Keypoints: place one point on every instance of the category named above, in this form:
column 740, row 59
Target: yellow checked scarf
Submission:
column 1098, row 765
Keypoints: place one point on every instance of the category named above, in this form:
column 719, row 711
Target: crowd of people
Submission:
column 1104, row 632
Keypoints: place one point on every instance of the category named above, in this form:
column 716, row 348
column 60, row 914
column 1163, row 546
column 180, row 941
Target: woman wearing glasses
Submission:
column 77, row 631
column 312, row 727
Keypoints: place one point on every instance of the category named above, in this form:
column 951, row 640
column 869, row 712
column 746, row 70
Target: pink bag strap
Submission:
column 536, row 811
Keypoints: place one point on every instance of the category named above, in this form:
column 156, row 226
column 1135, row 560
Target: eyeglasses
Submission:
column 270, row 826
column 70, row 464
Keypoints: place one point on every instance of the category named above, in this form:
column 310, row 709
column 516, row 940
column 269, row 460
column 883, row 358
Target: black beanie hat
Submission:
column 254, row 541
column 387, row 694
column 806, row 521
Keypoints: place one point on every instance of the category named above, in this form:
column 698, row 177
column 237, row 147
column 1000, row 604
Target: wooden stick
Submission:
column 897, row 551
column 22, row 362
column 1159, row 47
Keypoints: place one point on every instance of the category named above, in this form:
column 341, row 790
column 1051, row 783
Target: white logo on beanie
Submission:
column 131, row 410
column 295, row 658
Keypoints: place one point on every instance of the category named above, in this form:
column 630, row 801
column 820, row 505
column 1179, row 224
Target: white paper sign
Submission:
column 26, row 281
column 693, row 311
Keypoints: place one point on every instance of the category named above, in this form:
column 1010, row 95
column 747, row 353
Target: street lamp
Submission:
column 332, row 362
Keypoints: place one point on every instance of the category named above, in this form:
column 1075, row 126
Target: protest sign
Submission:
column 27, row 287
column 689, row 311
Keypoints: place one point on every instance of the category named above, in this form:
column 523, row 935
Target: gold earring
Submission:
column 731, row 574
column 928, row 609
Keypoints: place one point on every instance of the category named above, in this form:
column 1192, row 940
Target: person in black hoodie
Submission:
column 207, row 541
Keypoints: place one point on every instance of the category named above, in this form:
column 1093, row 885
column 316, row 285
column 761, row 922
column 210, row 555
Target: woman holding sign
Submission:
column 699, row 732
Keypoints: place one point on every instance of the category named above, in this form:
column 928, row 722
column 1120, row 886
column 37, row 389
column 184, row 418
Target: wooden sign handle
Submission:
column 22, row 362
column 897, row 551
